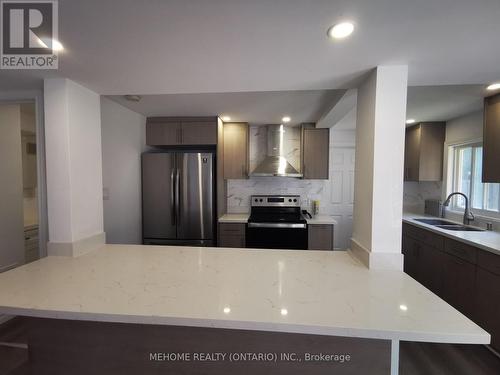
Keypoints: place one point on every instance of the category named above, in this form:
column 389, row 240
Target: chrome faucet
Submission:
column 468, row 216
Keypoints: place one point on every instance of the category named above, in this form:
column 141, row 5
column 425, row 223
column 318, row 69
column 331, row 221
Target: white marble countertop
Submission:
column 243, row 218
column 486, row 240
column 234, row 218
column 315, row 292
column 322, row 219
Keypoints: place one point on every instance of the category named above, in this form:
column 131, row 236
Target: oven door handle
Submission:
column 277, row 225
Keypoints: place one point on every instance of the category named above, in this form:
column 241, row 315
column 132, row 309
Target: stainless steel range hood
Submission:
column 275, row 163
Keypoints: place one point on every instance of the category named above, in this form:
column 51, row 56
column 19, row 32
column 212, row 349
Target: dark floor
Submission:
column 415, row 358
column 446, row 359
column 12, row 358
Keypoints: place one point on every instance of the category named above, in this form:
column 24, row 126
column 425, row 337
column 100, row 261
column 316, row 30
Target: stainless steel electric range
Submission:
column 276, row 222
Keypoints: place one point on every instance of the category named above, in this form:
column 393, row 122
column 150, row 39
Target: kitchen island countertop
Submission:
column 313, row 292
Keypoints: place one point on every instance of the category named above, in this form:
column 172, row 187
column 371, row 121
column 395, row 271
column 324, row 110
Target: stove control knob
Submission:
column 261, row 200
column 289, row 200
column 295, row 200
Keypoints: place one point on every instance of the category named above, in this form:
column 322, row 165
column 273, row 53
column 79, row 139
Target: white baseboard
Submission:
column 77, row 248
column 376, row 260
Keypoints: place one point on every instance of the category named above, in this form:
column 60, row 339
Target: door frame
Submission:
column 36, row 96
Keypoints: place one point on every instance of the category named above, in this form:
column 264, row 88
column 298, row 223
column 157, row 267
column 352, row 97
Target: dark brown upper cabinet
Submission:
column 178, row 131
column 236, row 138
column 424, row 145
column 491, row 139
column 315, row 153
column 163, row 133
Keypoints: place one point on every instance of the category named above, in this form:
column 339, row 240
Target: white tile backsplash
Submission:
column 239, row 191
column 415, row 194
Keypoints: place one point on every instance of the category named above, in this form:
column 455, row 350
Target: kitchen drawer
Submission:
column 232, row 235
column 231, row 241
column 232, row 228
column 461, row 250
column 424, row 235
column 488, row 261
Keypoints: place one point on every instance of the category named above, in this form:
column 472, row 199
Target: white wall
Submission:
column 123, row 141
column 74, row 161
column 11, row 188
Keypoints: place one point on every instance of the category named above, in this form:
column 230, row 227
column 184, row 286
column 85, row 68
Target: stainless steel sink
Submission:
column 449, row 225
column 458, row 227
column 435, row 221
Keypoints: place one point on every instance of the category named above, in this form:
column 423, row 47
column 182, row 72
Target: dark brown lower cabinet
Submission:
column 429, row 268
column 320, row 236
column 410, row 251
column 488, row 304
column 231, row 235
column 466, row 277
column 458, row 283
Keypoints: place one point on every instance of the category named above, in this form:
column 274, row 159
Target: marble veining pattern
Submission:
column 415, row 194
column 328, row 293
column 239, row 191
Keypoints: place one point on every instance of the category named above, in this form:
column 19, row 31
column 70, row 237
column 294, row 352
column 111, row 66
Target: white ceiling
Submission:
column 196, row 46
column 256, row 108
column 443, row 103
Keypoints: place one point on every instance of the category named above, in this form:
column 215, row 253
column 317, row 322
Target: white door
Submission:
column 342, row 194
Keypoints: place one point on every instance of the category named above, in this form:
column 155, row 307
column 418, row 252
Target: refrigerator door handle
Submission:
column 177, row 195
column 172, row 198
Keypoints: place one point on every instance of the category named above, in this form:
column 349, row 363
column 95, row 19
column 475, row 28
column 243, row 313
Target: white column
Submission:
column 378, row 191
column 74, row 167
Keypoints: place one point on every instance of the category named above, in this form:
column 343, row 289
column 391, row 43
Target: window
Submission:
column 467, row 170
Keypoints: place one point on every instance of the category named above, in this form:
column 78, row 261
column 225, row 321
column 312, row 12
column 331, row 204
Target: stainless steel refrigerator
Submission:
column 178, row 202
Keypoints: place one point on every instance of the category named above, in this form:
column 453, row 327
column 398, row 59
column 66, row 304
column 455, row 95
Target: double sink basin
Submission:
column 448, row 225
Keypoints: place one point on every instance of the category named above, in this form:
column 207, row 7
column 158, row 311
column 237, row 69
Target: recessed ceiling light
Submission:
column 403, row 307
column 284, row 312
column 410, row 121
column 341, row 30
column 286, row 119
column 226, row 118
column 227, row 310
column 493, row 86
